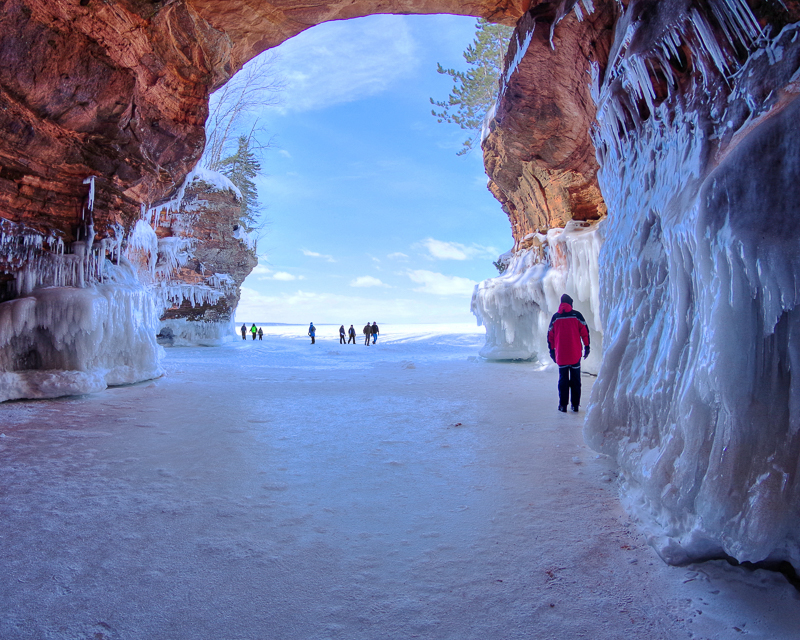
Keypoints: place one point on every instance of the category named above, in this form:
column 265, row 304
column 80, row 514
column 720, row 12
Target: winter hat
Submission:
column 567, row 299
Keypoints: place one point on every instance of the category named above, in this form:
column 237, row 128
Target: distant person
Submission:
column 352, row 335
column 312, row 331
column 341, row 335
column 244, row 332
column 367, row 331
column 565, row 337
column 260, row 333
column 375, row 332
column 254, row 330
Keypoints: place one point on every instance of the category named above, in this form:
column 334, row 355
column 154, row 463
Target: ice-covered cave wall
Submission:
column 694, row 119
column 78, row 319
column 75, row 318
column 697, row 396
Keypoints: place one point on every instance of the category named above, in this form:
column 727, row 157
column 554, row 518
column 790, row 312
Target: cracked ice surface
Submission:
column 270, row 489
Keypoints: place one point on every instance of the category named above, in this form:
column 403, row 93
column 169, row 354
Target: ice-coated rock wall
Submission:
column 207, row 254
column 516, row 306
column 64, row 340
column 84, row 317
column 697, row 395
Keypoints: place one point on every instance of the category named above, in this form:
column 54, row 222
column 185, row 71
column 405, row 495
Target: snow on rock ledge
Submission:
column 697, row 397
column 516, row 306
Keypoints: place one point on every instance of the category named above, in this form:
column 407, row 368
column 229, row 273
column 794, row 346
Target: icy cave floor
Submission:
column 275, row 490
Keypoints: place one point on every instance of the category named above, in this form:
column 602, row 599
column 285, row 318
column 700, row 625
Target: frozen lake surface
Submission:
column 272, row 490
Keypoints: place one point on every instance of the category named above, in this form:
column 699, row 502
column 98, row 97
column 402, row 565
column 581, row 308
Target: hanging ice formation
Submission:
column 516, row 306
column 77, row 319
column 698, row 394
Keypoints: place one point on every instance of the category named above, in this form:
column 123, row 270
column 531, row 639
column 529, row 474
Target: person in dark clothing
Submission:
column 260, row 334
column 367, row 331
column 375, row 332
column 566, row 335
column 352, row 335
column 244, row 332
column 341, row 334
column 253, row 330
column 312, row 331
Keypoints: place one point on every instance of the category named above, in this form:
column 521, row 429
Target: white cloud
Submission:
column 263, row 273
column 367, row 281
column 343, row 61
column 260, row 270
column 440, row 284
column 285, row 153
column 445, row 250
column 442, row 250
column 303, row 306
column 285, row 276
column 314, row 254
column 397, row 255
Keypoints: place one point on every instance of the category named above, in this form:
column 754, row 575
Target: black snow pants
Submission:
column 341, row 338
column 569, row 379
column 352, row 339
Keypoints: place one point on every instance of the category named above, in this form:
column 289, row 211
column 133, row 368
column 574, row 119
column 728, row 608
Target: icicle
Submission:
column 90, row 182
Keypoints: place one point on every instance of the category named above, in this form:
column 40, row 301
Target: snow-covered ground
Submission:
column 275, row 490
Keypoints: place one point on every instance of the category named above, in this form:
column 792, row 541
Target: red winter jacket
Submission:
column 567, row 335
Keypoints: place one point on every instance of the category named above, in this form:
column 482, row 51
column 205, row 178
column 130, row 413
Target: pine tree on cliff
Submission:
column 241, row 167
column 475, row 90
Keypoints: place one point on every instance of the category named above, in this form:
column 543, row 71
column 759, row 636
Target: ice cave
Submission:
column 645, row 152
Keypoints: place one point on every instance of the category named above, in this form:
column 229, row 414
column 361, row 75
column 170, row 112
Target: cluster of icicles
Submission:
column 87, row 316
column 516, row 306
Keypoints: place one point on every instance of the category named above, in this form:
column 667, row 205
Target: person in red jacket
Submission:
column 567, row 336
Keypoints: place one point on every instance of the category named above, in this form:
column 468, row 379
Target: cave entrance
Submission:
column 371, row 215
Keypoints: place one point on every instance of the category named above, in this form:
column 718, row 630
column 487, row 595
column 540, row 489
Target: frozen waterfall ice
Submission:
column 516, row 306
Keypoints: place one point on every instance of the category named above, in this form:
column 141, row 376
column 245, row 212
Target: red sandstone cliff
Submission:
column 538, row 152
column 119, row 89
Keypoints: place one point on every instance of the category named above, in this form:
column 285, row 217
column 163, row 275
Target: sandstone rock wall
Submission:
column 537, row 147
column 204, row 290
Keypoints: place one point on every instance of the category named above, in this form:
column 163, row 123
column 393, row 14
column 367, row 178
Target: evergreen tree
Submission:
column 474, row 91
column 241, row 167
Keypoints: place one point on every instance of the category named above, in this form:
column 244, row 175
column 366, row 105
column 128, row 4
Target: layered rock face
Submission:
column 541, row 163
column 201, row 294
column 537, row 147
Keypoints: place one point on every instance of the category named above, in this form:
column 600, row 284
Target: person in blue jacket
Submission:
column 312, row 331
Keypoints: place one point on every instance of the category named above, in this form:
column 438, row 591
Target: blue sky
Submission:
column 371, row 215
